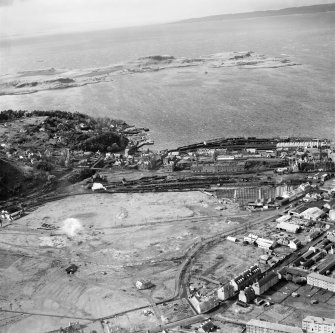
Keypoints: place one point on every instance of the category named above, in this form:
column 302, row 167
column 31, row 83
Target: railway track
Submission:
column 196, row 248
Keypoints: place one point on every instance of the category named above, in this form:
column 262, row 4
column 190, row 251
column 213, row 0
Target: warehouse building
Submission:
column 262, row 285
column 284, row 218
column 312, row 235
column 289, row 227
column 308, row 264
column 260, row 326
column 312, row 213
column 264, row 243
column 297, row 211
column 309, row 254
column 321, row 281
column 227, row 167
column 327, row 265
column 313, row 324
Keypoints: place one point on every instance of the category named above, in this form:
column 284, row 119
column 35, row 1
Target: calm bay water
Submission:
column 181, row 107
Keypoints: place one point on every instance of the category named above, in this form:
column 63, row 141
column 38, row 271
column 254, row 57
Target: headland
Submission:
column 102, row 231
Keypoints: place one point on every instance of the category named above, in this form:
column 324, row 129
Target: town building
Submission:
column 294, row 244
column 313, row 324
column 331, row 235
column 207, row 327
column 283, row 218
column 312, row 235
column 309, row 254
column 262, row 285
column 298, row 210
column 321, row 281
column 264, row 258
column 225, row 292
column 327, row 265
column 330, row 248
column 169, row 167
column 260, row 326
column 232, row 239
column 302, row 222
column 299, row 144
column 223, row 167
column 251, row 238
column 308, row 264
column 246, row 278
column 266, row 243
column 247, row 295
column 289, row 227
column 321, row 245
column 203, row 304
column 295, row 275
column 312, row 213
column 143, row 284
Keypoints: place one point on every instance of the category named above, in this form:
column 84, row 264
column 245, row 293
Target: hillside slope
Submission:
column 280, row 12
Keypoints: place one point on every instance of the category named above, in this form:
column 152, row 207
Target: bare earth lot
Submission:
column 115, row 239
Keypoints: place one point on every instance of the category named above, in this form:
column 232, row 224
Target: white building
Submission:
column 143, row 284
column 251, row 238
column 294, row 244
column 321, row 281
column 266, row 243
column 260, row 326
column 299, row 144
column 312, row 213
column 313, row 324
column 225, row 292
column 284, row 218
column 289, row 227
column 203, row 304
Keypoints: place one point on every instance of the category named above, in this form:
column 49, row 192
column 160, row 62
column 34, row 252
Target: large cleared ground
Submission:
column 115, row 239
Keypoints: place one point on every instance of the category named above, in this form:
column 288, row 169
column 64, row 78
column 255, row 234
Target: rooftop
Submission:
column 320, row 320
column 267, row 278
column 322, row 277
column 274, row 326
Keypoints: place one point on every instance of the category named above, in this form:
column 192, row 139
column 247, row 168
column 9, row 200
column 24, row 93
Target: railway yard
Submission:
column 125, row 239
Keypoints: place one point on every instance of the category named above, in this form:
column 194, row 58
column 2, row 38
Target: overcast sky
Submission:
column 28, row 17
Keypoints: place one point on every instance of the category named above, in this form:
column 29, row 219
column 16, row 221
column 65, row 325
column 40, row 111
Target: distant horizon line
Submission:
column 216, row 17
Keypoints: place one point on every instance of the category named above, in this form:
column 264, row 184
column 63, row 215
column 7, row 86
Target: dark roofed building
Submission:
column 308, row 264
column 265, row 283
column 327, row 265
column 247, row 295
column 293, row 272
column 208, row 326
